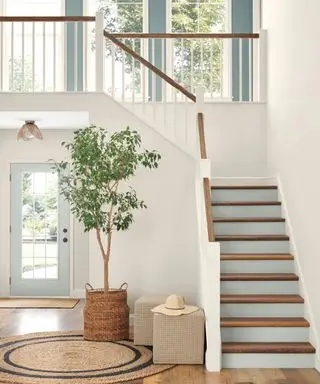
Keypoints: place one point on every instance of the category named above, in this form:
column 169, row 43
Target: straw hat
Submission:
column 174, row 306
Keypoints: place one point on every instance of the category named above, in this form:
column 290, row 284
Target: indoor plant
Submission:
column 95, row 186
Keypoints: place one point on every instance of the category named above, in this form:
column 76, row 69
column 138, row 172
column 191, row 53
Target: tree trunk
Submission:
column 106, row 275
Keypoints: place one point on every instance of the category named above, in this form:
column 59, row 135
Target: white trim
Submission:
column 314, row 337
column 78, row 293
column 267, row 180
column 145, row 16
column 256, row 15
column 317, row 363
column 256, row 26
column 63, row 7
column 6, row 243
column 71, row 240
column 227, row 55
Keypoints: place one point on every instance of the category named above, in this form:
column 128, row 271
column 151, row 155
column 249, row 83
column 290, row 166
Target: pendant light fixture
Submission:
column 29, row 131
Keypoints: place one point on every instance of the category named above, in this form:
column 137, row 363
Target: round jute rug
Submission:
column 66, row 358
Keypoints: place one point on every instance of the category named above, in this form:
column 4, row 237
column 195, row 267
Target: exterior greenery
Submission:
column 96, row 186
column 187, row 16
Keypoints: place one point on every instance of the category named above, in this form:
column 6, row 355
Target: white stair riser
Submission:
column 262, row 310
column 268, row 360
column 255, row 246
column 246, row 211
column 259, row 287
column 265, row 334
column 244, row 195
column 257, row 266
column 274, row 228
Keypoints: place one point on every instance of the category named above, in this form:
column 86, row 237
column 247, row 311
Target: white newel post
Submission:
column 263, row 65
column 100, row 54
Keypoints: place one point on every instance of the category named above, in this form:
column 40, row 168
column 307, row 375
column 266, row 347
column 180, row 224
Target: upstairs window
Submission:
column 198, row 16
column 200, row 62
column 122, row 15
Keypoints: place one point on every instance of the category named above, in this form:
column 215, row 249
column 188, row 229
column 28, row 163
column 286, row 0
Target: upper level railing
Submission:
column 46, row 54
column 57, row 54
column 225, row 64
column 156, row 74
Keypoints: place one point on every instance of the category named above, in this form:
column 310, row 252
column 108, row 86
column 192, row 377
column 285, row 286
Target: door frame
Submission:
column 6, row 204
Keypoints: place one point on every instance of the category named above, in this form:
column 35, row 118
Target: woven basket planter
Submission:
column 106, row 315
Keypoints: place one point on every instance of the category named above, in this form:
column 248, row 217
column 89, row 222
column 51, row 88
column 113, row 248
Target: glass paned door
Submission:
column 39, row 232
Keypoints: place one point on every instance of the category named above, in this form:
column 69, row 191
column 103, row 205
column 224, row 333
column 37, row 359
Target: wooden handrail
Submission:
column 207, row 199
column 206, row 181
column 185, row 35
column 202, row 143
column 146, row 63
column 45, row 18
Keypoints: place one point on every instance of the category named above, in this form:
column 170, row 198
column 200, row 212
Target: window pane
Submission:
column 123, row 16
column 27, row 268
column 199, row 61
column 39, row 225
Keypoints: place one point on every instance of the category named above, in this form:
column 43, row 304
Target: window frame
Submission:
column 226, row 92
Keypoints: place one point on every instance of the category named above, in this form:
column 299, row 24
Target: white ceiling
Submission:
column 45, row 120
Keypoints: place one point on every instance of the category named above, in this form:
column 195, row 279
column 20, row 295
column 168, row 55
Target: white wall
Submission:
column 159, row 254
column 235, row 134
column 13, row 151
column 236, row 139
column 167, row 260
column 293, row 129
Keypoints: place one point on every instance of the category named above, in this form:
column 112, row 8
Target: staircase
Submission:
column 262, row 323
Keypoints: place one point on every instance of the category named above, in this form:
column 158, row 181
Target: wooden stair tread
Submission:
column 244, row 203
column 255, row 256
column 251, row 237
column 249, row 220
column 227, row 322
column 267, row 347
column 258, row 277
column 260, row 299
column 244, row 187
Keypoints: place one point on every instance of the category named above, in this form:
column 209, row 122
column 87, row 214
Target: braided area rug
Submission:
column 66, row 358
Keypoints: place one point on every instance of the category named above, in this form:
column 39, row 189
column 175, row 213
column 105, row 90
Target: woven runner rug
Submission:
column 66, row 358
column 38, row 303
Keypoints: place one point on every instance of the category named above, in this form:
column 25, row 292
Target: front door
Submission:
column 39, row 232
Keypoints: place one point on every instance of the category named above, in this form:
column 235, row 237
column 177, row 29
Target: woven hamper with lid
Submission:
column 178, row 339
column 143, row 318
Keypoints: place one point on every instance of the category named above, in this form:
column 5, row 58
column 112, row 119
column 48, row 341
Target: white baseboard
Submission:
column 269, row 180
column 78, row 293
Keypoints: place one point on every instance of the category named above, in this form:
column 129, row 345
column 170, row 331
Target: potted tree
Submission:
column 96, row 188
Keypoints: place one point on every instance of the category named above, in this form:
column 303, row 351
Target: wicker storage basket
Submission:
column 106, row 316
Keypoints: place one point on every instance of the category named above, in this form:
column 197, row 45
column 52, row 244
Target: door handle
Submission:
column 65, row 240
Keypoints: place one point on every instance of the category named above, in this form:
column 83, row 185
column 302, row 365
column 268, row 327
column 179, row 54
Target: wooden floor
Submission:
column 21, row 321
